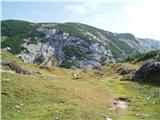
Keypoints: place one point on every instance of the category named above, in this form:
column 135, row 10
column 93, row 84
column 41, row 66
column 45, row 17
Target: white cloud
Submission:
column 100, row 21
column 143, row 19
column 75, row 8
column 82, row 7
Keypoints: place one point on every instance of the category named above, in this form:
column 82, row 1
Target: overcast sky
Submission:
column 140, row 17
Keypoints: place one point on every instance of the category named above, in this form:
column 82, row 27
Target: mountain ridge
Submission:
column 69, row 44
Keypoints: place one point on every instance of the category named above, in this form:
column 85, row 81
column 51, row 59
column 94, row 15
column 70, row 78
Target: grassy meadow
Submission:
column 55, row 94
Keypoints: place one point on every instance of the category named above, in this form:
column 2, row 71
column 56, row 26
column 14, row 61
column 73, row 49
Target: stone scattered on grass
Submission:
column 76, row 75
column 124, row 71
column 19, row 106
column 106, row 117
column 57, row 118
column 142, row 116
column 17, row 68
column 120, row 103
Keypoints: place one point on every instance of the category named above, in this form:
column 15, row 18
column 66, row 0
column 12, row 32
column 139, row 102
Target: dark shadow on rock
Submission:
column 148, row 73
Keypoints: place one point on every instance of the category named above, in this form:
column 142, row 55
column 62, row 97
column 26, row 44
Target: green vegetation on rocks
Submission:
column 72, row 51
column 67, row 64
column 16, row 31
column 40, row 59
column 142, row 57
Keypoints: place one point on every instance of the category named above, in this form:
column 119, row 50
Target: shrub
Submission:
column 40, row 59
column 16, row 31
column 14, row 43
column 142, row 57
column 72, row 51
column 67, row 64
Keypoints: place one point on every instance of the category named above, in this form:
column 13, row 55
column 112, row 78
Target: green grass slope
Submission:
column 51, row 93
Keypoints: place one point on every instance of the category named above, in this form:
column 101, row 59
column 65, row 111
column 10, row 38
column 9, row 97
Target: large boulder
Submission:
column 149, row 72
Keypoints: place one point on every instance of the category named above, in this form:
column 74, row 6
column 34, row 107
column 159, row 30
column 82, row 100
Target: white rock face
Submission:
column 96, row 48
column 49, row 32
column 35, row 50
column 99, row 52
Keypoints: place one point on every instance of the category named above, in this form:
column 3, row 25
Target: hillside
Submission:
column 65, row 94
column 143, row 57
column 123, row 83
column 69, row 45
column 80, row 60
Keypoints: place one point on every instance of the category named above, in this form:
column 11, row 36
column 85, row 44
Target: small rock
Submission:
column 22, row 104
column 57, row 118
column 122, row 104
column 76, row 75
column 18, row 106
column 17, row 68
column 142, row 116
column 124, row 71
column 108, row 118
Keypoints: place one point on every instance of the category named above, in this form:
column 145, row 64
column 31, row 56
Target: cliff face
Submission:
column 69, row 44
column 65, row 49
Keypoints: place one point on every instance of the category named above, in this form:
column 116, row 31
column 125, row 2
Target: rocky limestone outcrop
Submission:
column 33, row 51
column 63, row 47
